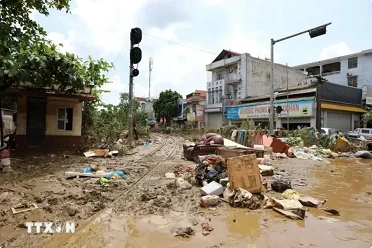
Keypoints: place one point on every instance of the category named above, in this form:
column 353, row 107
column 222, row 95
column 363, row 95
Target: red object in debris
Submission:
column 4, row 154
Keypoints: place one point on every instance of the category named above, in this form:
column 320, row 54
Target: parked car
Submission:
column 327, row 131
column 365, row 132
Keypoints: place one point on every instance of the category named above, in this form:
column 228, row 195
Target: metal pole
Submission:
column 287, row 103
column 130, row 111
column 303, row 32
column 271, row 114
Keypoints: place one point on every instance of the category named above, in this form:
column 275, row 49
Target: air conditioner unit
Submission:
column 349, row 74
column 231, row 70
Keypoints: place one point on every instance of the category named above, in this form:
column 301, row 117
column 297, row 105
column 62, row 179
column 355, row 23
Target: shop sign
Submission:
column 200, row 110
column 301, row 108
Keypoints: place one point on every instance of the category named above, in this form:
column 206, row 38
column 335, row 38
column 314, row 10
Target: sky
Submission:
column 183, row 36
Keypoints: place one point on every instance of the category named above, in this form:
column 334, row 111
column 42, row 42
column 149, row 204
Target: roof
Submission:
column 49, row 92
column 224, row 53
column 332, row 60
column 201, row 92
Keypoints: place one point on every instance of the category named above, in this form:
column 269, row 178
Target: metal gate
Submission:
column 36, row 121
column 339, row 120
column 214, row 120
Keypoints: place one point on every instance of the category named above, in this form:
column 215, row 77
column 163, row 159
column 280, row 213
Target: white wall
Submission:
column 258, row 71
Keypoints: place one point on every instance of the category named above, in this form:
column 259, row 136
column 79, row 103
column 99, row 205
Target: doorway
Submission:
column 36, row 121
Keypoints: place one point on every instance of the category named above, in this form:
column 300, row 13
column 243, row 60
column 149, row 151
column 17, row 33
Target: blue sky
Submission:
column 100, row 28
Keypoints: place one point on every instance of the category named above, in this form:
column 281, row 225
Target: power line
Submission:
column 179, row 44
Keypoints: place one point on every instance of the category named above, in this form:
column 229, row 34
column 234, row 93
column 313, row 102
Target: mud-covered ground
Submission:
column 149, row 213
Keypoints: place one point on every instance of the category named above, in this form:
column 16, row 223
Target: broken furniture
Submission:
column 192, row 151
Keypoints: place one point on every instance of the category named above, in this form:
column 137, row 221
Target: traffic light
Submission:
column 135, row 52
column 318, row 32
column 279, row 109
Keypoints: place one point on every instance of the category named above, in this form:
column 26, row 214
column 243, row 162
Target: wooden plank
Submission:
column 15, row 211
column 83, row 174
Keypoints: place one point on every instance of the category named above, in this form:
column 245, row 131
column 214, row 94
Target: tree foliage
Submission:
column 107, row 124
column 29, row 59
column 165, row 106
column 367, row 117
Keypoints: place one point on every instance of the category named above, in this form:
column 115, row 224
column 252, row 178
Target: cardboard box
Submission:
column 244, row 173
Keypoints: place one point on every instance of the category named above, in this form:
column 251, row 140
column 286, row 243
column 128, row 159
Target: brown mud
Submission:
column 146, row 215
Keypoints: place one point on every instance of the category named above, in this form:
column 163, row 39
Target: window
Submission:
column 64, row 122
column 143, row 107
column 365, row 131
column 352, row 81
column 353, row 62
column 219, row 76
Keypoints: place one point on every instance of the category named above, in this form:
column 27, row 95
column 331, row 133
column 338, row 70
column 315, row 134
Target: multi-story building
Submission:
column 238, row 76
column 350, row 70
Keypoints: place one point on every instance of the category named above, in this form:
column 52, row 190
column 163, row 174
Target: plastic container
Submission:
column 212, row 188
column 210, row 201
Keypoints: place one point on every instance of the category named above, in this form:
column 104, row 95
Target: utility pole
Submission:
column 319, row 87
column 287, row 103
column 314, row 32
column 150, row 70
column 135, row 58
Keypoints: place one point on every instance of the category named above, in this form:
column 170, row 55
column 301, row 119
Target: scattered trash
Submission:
column 185, row 232
column 281, row 185
column 288, row 213
column 291, row 194
column 210, row 201
column 212, row 188
column 116, row 174
column 104, row 182
column 266, row 170
column 182, row 184
column 331, row 211
column 363, row 154
column 170, row 175
column 310, row 202
column 206, row 228
column 21, row 208
column 244, row 199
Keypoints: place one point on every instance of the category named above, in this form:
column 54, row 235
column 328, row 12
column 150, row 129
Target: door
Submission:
column 36, row 121
column 214, row 120
column 339, row 121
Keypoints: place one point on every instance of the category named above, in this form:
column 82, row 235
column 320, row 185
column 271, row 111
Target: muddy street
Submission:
column 147, row 209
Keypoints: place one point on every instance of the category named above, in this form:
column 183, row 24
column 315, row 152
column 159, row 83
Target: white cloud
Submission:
column 104, row 26
column 335, row 50
column 58, row 38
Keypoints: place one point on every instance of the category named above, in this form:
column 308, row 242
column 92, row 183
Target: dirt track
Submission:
column 144, row 215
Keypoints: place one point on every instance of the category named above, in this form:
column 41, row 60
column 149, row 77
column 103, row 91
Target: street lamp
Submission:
column 314, row 32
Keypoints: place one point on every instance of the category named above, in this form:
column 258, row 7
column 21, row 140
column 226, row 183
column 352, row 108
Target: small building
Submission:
column 47, row 118
column 146, row 106
column 341, row 108
column 180, row 117
column 195, row 106
column 236, row 76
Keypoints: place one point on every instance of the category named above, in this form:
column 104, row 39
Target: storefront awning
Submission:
column 333, row 106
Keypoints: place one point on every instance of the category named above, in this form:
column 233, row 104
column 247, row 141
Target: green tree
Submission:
column 367, row 117
column 166, row 105
column 29, row 59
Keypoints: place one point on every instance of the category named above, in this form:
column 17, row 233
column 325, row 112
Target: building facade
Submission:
column 352, row 70
column 195, row 107
column 146, row 105
column 238, row 76
column 341, row 108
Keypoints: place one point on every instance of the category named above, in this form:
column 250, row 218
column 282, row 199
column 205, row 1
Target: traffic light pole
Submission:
column 130, row 111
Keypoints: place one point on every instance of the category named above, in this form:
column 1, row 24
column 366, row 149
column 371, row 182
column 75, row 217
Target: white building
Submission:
column 146, row 105
column 351, row 70
column 237, row 76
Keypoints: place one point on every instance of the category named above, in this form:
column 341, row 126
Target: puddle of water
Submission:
column 344, row 183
